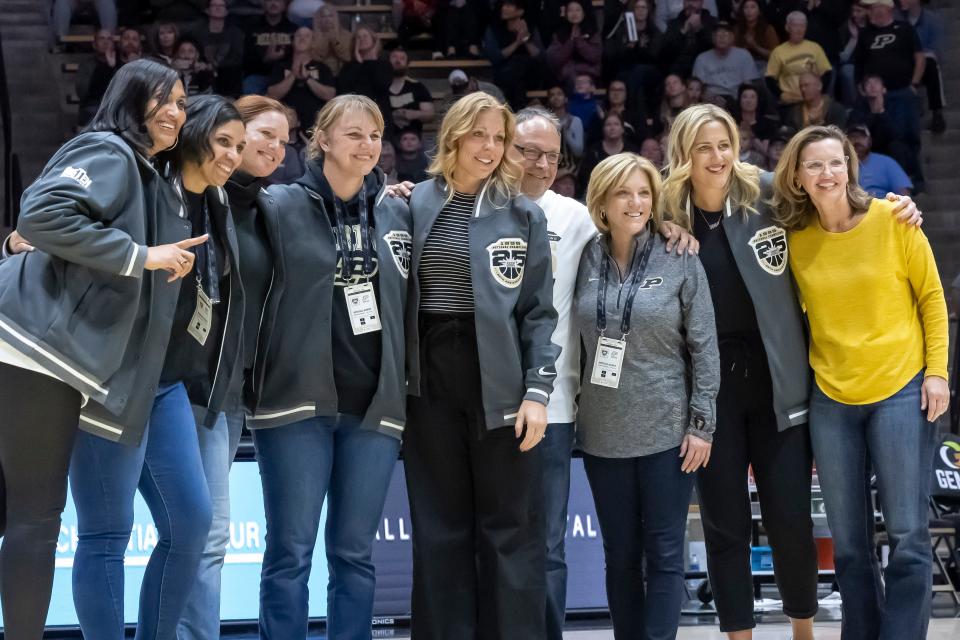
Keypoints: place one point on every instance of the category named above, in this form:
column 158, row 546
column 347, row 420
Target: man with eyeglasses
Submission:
column 537, row 147
column 879, row 174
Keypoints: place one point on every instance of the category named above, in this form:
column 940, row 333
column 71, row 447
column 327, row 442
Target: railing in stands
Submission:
column 9, row 194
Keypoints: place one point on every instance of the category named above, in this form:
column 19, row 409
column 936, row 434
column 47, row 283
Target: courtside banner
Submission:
column 392, row 554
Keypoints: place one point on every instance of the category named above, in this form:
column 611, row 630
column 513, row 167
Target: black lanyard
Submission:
column 638, row 268
column 206, row 257
column 340, row 213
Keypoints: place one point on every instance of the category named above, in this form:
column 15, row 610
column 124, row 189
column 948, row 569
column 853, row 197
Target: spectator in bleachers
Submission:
column 613, row 142
column 890, row 48
column 879, row 174
column 752, row 116
column 411, row 104
column 695, row 90
column 753, row 33
column 616, row 102
column 301, row 12
column 815, row 108
column 632, row 53
column 824, row 18
column 687, row 36
column 294, row 156
column 94, row 75
column 63, row 15
column 302, row 83
column 416, row 17
column 584, row 103
column 130, row 47
column 870, row 110
column 388, row 163
column 332, row 44
column 929, row 27
column 456, row 28
column 222, row 46
column 195, row 72
column 751, row 149
column 725, row 67
column 515, row 49
column 576, row 47
column 565, row 184
column 412, row 161
column 367, row 73
column 849, row 34
column 792, row 58
column 459, row 82
column 675, row 100
column 163, row 42
column 777, row 144
column 269, row 41
column 650, row 149
column 184, row 12
column 572, row 140
column 668, row 10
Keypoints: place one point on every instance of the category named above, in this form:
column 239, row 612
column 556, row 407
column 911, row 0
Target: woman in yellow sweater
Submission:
column 878, row 349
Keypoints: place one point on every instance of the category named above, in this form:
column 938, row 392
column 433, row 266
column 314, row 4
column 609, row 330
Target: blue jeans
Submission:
column 218, row 447
column 893, row 438
column 642, row 506
column 301, row 464
column 104, row 476
column 555, row 452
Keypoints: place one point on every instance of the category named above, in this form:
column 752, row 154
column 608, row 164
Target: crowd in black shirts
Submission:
column 616, row 76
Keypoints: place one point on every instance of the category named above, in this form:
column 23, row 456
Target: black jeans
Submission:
column 479, row 543
column 40, row 417
column 782, row 466
column 933, row 81
column 642, row 506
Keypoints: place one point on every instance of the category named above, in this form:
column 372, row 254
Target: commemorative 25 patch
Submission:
column 770, row 247
column 401, row 248
column 507, row 258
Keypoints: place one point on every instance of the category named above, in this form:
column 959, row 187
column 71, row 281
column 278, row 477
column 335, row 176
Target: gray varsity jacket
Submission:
column 513, row 289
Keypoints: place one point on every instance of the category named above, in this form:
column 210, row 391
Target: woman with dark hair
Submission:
column 163, row 42
column 635, row 125
column 81, row 320
column 753, row 33
column 329, row 402
column 614, row 141
column 258, row 240
column 752, row 115
column 481, row 371
column 163, row 459
column 576, row 47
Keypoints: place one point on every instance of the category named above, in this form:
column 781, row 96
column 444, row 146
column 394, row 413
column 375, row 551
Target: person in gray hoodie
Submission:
column 328, row 387
column 648, row 393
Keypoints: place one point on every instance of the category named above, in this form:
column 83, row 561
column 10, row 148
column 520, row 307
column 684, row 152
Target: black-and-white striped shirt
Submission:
column 445, row 285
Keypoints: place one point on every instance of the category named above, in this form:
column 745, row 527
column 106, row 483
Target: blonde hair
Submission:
column 792, row 206
column 612, row 173
column 377, row 45
column 328, row 117
column 743, row 188
column 458, row 122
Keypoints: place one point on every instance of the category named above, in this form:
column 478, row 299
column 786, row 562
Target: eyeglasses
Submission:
column 534, row 155
column 817, row 167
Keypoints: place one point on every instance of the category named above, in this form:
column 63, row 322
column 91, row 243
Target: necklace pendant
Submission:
column 713, row 225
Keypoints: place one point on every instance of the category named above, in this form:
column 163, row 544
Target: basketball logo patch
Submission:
column 770, row 247
column 401, row 248
column 507, row 258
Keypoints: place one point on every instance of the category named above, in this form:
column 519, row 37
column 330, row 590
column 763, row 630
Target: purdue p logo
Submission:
column 401, row 248
column 770, row 246
column 507, row 257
